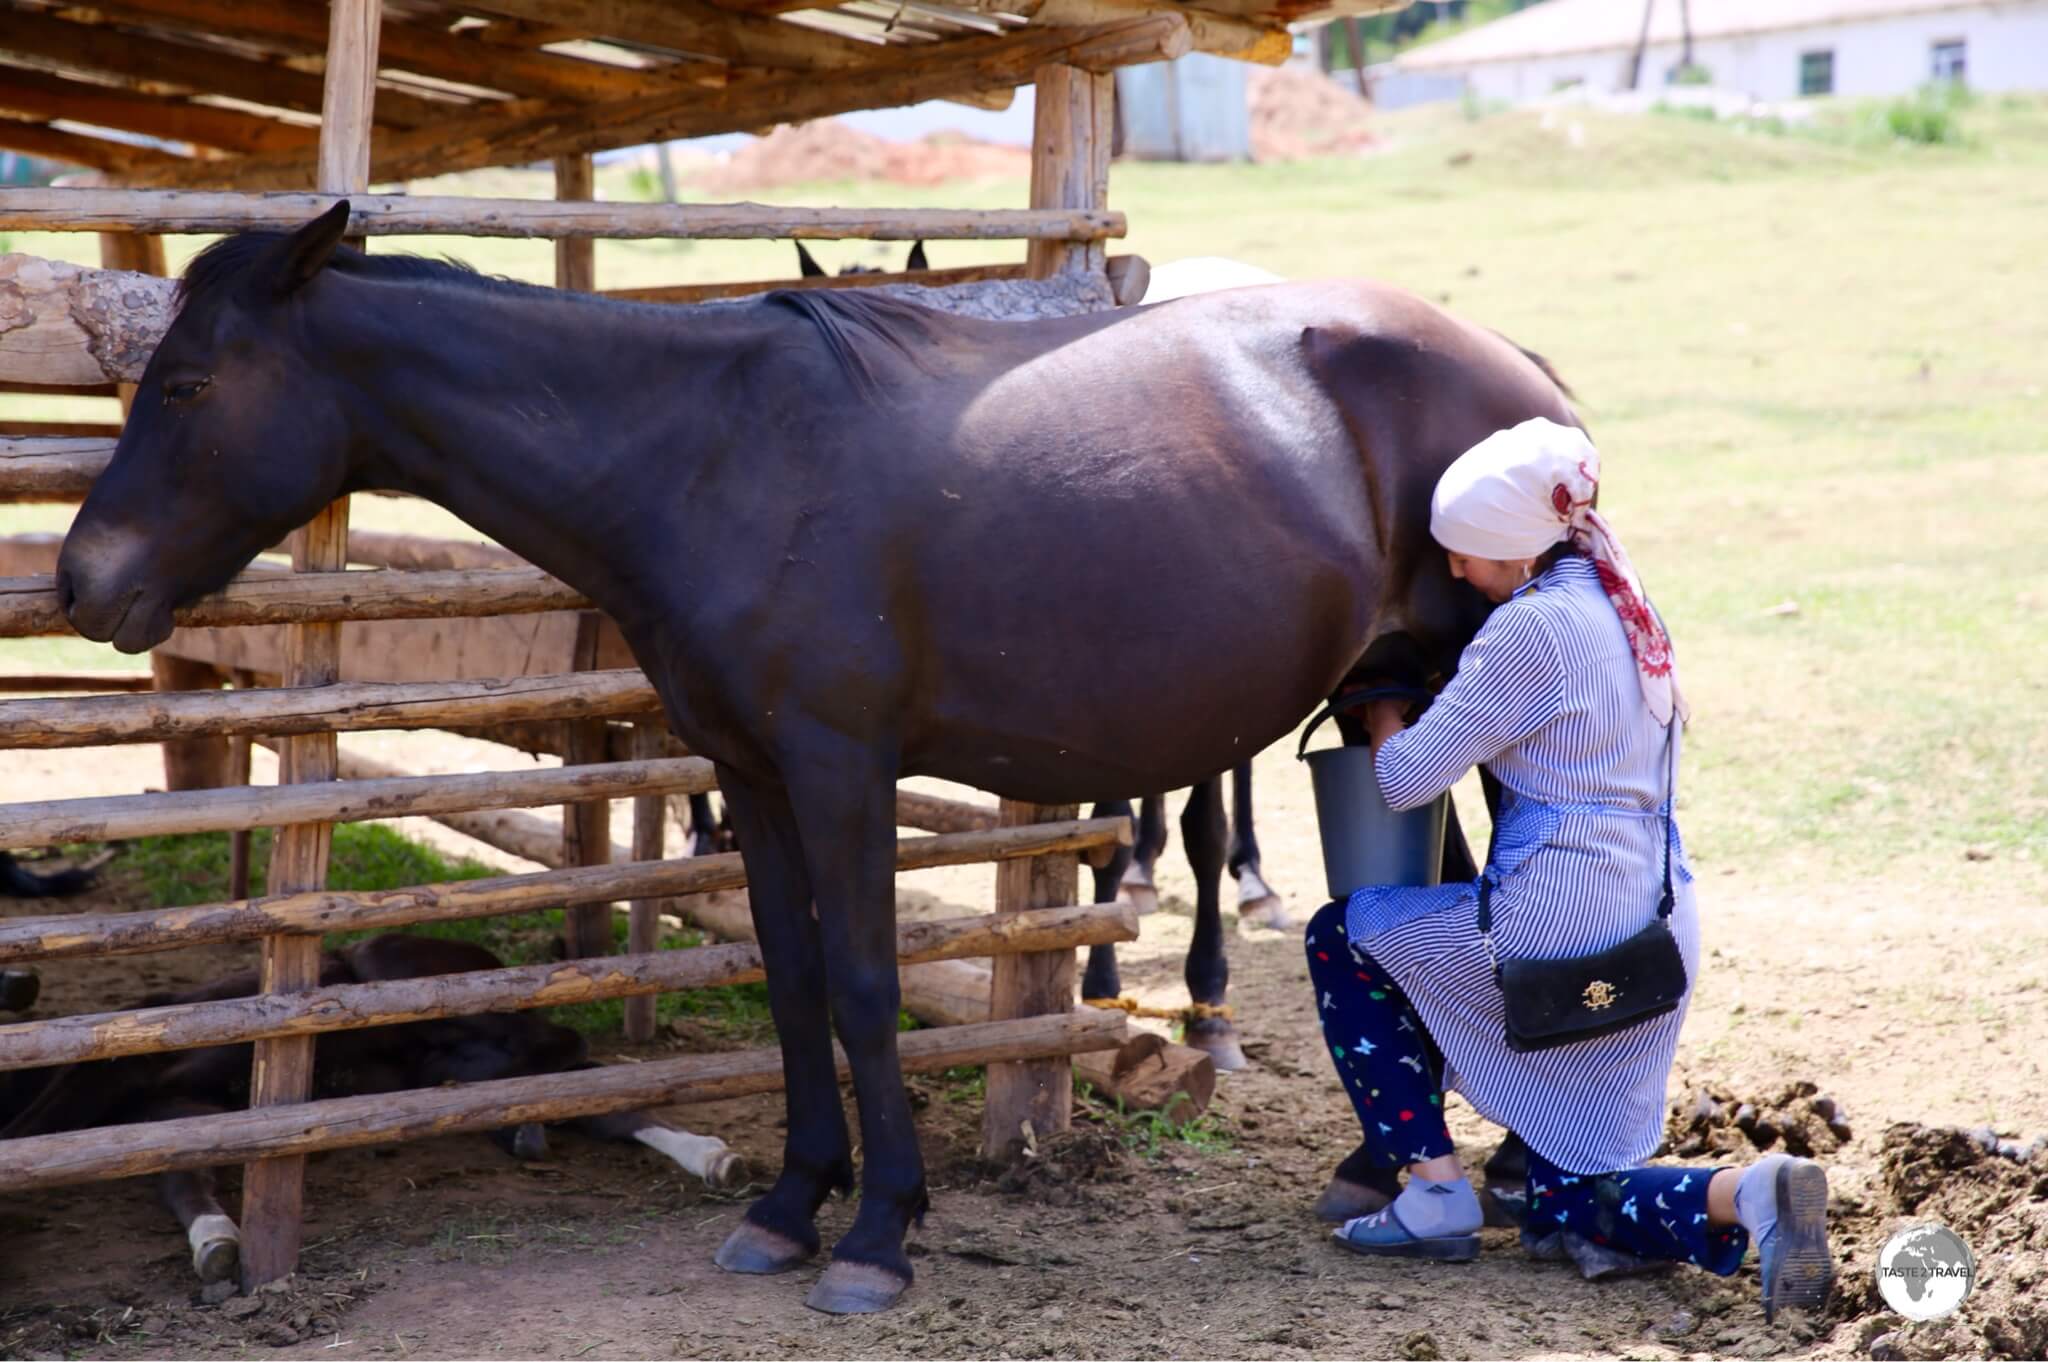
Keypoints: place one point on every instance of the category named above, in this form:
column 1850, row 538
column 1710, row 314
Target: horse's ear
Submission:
column 916, row 260
column 809, row 268
column 309, row 247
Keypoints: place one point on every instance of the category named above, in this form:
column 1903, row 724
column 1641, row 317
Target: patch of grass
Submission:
column 1150, row 1133
column 179, row 871
column 965, row 1084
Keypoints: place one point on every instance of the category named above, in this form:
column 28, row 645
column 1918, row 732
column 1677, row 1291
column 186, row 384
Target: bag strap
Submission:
column 1670, row 899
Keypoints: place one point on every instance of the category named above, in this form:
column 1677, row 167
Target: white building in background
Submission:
column 1767, row 49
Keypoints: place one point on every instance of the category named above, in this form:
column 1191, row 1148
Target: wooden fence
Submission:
column 1032, row 1027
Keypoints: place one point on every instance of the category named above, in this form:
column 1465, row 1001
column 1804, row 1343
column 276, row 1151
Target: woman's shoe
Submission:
column 1793, row 1260
column 1380, row 1235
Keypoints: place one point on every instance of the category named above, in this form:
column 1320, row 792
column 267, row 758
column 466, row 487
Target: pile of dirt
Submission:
column 299, row 1309
column 1297, row 113
column 1799, row 1119
column 1997, row 1202
column 827, row 149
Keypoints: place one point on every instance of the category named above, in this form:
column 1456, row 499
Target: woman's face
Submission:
column 1494, row 578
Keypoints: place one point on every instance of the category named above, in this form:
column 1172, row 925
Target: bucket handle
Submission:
column 1352, row 699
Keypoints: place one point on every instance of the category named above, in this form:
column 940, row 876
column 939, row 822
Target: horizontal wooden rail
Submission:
column 51, row 468
column 423, row 553
column 384, row 1118
column 28, row 605
column 82, row 682
column 1121, row 268
column 114, row 817
column 350, row 1007
column 320, row 911
column 346, row 707
column 183, row 210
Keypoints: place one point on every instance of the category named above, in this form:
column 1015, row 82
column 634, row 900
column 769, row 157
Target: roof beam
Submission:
column 408, row 47
column 96, row 153
column 694, row 26
column 177, row 120
column 929, row 71
column 98, row 47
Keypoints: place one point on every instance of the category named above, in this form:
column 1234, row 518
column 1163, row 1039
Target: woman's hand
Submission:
column 1383, row 719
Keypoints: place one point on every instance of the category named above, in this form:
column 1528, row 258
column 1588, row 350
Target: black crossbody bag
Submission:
column 1563, row 999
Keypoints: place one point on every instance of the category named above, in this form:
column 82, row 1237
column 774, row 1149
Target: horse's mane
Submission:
column 863, row 329
column 226, row 261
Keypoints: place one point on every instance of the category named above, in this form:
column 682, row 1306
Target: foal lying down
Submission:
column 348, row 1063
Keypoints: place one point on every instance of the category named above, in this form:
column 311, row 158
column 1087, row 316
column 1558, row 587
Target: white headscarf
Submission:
column 1521, row 491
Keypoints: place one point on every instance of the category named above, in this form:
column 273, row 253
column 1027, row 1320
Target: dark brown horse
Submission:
column 850, row 540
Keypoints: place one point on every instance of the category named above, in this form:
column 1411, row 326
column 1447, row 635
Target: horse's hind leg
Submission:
column 1205, row 836
column 216, row 1243
column 701, row 1156
column 780, row 1231
column 1135, row 879
column 703, row 828
column 1257, row 904
column 1101, row 979
column 190, row 1194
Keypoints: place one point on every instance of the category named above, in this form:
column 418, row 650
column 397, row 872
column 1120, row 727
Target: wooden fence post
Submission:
column 586, row 827
column 1039, row 1091
column 643, row 926
column 1070, row 141
column 273, row 1190
column 576, row 257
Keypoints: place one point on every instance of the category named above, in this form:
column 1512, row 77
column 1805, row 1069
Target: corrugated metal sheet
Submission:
column 1190, row 109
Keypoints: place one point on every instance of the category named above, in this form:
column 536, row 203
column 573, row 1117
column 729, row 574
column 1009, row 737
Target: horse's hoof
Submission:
column 1344, row 1200
column 759, row 1252
column 530, row 1142
column 1269, row 912
column 19, row 989
column 727, row 1172
column 1505, row 1207
column 217, row 1260
column 1217, row 1039
column 1137, row 887
column 856, row 1289
column 216, row 1247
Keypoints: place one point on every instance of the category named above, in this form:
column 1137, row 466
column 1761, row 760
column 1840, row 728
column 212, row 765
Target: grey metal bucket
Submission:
column 1364, row 841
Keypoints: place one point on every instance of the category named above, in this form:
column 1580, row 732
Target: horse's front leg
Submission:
column 1257, row 904
column 1101, row 979
column 1204, row 834
column 844, row 792
column 780, row 1230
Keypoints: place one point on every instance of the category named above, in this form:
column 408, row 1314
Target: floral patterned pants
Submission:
column 1393, row 1072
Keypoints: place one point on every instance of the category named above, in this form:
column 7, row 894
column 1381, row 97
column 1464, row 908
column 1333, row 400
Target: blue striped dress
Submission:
column 1547, row 697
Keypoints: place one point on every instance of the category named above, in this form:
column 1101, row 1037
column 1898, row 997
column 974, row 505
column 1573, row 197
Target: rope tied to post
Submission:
column 1193, row 1012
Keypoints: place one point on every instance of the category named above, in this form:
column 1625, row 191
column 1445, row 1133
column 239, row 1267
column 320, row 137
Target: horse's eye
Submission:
column 186, row 391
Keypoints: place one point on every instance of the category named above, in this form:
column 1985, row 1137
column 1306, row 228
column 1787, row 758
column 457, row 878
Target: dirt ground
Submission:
column 1111, row 1243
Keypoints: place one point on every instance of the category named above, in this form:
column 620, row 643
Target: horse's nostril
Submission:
column 67, row 595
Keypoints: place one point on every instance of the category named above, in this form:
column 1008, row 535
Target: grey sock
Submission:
column 1431, row 1210
column 1756, row 1196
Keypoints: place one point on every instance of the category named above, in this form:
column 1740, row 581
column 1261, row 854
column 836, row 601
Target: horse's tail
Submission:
column 1549, row 369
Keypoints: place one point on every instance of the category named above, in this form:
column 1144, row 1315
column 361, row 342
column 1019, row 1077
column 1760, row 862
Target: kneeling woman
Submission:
column 1568, row 695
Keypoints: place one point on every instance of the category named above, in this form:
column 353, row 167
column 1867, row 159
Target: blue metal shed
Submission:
column 1191, row 109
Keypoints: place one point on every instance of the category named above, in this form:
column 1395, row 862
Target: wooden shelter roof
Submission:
column 219, row 93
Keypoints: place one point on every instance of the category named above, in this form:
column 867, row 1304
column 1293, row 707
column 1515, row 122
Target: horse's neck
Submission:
column 513, row 410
